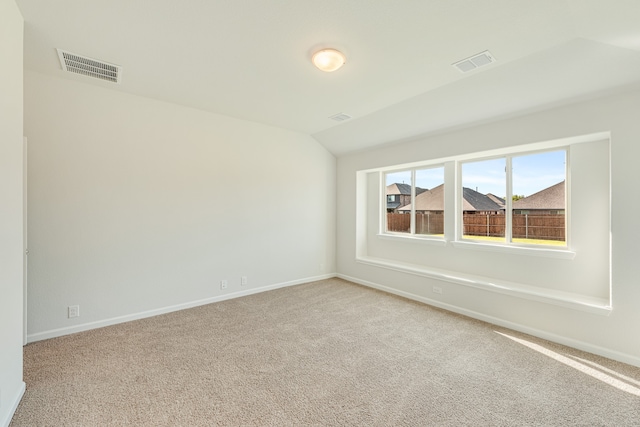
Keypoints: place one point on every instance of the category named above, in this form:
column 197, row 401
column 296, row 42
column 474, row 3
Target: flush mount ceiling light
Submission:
column 328, row 59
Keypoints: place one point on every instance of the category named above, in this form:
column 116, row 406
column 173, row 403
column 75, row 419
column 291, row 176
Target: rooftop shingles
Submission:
column 549, row 198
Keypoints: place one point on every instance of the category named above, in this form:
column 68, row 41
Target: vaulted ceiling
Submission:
column 250, row 59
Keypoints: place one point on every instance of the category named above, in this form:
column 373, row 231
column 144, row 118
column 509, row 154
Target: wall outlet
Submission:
column 73, row 311
column 437, row 289
column 321, row 268
column 243, row 281
column 224, row 284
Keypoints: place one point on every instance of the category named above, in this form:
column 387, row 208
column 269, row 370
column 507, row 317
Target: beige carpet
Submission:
column 324, row 353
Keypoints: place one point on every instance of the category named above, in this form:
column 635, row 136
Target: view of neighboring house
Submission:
column 498, row 200
column 428, row 201
column 478, row 203
column 432, row 201
column 550, row 201
column 400, row 195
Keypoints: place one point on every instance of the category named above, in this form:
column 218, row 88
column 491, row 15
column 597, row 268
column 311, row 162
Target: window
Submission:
column 537, row 193
column 512, row 199
column 429, row 201
column 398, row 191
column 539, row 201
column 415, row 201
column 484, row 186
column 531, row 210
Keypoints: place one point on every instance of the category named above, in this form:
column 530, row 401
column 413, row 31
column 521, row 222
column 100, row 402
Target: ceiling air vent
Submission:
column 90, row 67
column 340, row 117
column 476, row 61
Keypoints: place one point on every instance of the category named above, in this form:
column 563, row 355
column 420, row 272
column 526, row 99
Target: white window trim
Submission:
column 417, row 238
column 530, row 250
column 508, row 236
column 453, row 168
column 382, row 228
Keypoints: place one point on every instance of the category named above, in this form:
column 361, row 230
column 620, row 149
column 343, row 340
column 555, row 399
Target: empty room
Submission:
column 286, row 213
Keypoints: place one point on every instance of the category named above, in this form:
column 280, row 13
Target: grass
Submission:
column 526, row 241
column 502, row 240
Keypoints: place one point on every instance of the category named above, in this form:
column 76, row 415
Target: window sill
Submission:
column 546, row 251
column 594, row 305
column 518, row 250
column 438, row 241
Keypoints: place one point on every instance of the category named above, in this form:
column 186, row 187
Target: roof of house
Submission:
column 549, row 198
column 430, row 200
column 394, row 189
column 397, row 188
column 433, row 200
column 474, row 201
column 498, row 200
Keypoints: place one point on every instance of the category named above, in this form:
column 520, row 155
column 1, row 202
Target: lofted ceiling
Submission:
column 251, row 59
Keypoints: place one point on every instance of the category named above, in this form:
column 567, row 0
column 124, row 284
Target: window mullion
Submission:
column 413, row 201
column 508, row 202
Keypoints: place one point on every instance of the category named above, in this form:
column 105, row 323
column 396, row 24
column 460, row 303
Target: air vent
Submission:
column 476, row 61
column 90, row 67
column 340, row 117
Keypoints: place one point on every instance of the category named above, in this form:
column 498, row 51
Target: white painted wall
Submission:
column 137, row 205
column 11, row 221
column 614, row 335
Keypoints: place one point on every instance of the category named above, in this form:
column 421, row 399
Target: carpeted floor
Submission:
column 324, row 353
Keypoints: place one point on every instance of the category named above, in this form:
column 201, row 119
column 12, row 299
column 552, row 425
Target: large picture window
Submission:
column 517, row 199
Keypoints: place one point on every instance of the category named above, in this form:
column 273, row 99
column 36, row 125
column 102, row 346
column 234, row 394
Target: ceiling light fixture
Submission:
column 328, row 59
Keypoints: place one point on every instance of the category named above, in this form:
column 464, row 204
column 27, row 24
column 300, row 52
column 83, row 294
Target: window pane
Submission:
column 398, row 195
column 483, row 190
column 539, row 198
column 429, row 203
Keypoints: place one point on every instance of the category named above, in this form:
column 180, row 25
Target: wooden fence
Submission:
column 546, row 227
column 526, row 226
column 429, row 223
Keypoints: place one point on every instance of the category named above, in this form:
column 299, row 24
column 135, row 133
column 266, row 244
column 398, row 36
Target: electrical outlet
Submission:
column 224, row 284
column 74, row 311
column 321, row 268
column 243, row 281
column 437, row 289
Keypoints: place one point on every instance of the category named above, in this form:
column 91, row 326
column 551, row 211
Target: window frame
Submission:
column 508, row 232
column 455, row 236
column 384, row 231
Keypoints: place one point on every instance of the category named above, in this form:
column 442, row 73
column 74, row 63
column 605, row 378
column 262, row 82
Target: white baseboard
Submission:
column 570, row 342
column 14, row 405
column 53, row 333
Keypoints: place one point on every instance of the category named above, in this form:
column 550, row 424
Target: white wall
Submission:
column 137, row 206
column 614, row 335
column 11, row 241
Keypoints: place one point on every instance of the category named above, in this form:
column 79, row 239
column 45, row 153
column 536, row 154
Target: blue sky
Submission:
column 425, row 178
column 531, row 173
